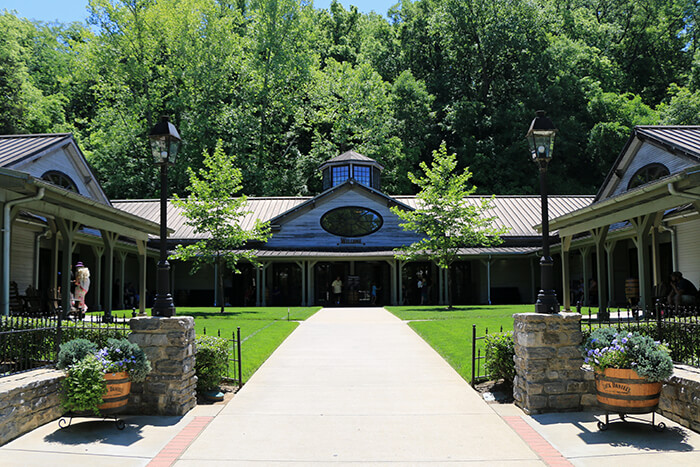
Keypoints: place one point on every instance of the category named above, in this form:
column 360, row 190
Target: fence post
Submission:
column 473, row 353
column 238, row 345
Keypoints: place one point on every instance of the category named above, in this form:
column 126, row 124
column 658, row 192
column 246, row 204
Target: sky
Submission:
column 66, row 11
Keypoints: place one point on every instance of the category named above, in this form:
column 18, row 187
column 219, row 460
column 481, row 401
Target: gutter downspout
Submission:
column 6, row 247
column 674, row 244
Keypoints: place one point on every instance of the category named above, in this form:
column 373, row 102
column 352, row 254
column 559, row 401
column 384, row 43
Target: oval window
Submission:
column 351, row 221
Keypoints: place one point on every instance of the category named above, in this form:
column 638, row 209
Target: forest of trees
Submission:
column 287, row 86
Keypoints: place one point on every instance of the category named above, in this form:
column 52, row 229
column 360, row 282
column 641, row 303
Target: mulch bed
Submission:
column 502, row 394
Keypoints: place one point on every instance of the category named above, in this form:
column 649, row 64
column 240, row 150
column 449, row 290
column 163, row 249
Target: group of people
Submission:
column 681, row 290
column 79, row 286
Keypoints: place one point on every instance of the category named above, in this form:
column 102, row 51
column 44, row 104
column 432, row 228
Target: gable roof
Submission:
column 349, row 184
column 681, row 141
column 15, row 148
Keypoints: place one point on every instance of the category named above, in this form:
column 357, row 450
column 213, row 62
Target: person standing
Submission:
column 82, row 285
column 337, row 286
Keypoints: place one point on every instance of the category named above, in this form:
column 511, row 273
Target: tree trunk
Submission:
column 449, row 289
column 222, row 295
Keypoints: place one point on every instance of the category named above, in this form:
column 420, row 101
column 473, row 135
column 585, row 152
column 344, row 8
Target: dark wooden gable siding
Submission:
column 303, row 229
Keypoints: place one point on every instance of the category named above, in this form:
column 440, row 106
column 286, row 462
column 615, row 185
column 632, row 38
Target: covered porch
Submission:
column 44, row 226
column 650, row 219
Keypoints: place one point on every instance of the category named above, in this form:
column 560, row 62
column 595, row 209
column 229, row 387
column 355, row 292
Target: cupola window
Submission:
column 340, row 174
column 361, row 174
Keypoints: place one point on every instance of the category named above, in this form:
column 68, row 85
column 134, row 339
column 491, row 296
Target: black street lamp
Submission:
column 165, row 142
column 540, row 136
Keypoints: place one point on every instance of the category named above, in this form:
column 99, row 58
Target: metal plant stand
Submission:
column 62, row 423
column 623, row 417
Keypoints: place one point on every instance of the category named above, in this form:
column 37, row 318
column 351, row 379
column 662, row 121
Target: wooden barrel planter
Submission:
column 632, row 291
column 624, row 391
column 117, row 396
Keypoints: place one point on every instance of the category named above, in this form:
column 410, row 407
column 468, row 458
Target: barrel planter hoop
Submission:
column 624, row 391
column 117, row 396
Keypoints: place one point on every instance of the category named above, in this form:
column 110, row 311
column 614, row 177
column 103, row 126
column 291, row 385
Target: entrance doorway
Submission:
column 358, row 278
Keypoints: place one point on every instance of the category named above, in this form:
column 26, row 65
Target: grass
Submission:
column 449, row 332
column 262, row 329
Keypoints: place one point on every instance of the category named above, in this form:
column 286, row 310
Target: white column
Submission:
column 143, row 258
column 566, row 273
column 609, row 254
column 584, row 261
column 642, row 225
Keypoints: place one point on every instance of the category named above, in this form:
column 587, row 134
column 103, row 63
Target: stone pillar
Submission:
column 169, row 343
column 548, row 363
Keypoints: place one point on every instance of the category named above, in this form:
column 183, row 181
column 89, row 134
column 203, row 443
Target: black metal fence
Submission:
column 479, row 356
column 678, row 327
column 28, row 343
column 234, row 363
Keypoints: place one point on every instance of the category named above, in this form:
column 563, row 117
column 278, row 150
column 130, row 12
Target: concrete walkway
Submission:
column 357, row 385
column 354, row 386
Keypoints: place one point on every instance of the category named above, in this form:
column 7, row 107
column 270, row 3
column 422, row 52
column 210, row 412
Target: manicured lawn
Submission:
column 450, row 332
column 262, row 329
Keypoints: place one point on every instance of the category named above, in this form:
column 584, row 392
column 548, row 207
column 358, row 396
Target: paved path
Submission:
column 357, row 386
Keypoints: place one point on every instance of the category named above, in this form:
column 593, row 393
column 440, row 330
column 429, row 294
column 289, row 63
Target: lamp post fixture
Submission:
column 165, row 142
column 540, row 137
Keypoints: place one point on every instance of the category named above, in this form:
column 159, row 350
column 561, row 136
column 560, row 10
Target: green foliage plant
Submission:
column 73, row 351
column 84, row 386
column 211, row 362
column 214, row 213
column 607, row 348
column 500, row 350
column 446, row 217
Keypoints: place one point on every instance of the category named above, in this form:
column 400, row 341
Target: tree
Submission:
column 217, row 216
column 445, row 215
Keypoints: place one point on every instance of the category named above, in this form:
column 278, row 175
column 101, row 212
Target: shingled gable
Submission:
column 37, row 154
column 676, row 148
column 350, row 184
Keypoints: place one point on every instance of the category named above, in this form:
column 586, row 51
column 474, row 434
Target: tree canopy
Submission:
column 286, row 86
column 445, row 216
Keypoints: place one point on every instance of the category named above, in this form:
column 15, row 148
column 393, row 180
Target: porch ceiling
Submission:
column 651, row 198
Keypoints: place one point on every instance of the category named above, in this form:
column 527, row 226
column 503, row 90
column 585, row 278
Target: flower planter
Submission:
column 624, row 391
column 117, row 396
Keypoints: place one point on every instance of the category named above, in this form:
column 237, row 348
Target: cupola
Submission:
column 351, row 165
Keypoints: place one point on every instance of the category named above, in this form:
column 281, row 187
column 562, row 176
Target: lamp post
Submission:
column 540, row 137
column 165, row 142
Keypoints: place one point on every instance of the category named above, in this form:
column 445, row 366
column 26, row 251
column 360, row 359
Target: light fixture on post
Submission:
column 540, row 137
column 165, row 143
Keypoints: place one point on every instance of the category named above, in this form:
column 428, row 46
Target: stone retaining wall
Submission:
column 680, row 397
column 28, row 400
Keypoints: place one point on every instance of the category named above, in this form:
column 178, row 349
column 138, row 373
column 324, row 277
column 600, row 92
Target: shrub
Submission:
column 211, row 362
column 72, row 352
column 500, row 351
column 84, row 386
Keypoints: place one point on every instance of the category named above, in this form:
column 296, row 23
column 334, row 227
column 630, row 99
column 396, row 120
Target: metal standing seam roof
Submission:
column 518, row 213
column 261, row 208
column 683, row 138
column 14, row 148
column 521, row 213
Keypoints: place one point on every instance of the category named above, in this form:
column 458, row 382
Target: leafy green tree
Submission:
column 217, row 217
column 445, row 215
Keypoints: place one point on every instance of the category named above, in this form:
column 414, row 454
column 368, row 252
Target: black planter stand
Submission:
column 626, row 417
column 63, row 423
